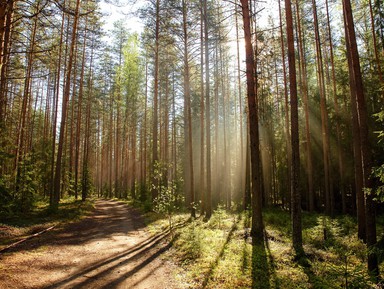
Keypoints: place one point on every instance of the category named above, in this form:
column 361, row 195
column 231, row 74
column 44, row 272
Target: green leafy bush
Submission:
column 378, row 171
column 5, row 196
column 168, row 200
column 27, row 183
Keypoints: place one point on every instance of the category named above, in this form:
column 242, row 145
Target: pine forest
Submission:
column 191, row 144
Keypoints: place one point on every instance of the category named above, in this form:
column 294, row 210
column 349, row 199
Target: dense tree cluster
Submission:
column 220, row 102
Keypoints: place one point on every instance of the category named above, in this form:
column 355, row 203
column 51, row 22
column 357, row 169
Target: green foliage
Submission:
column 278, row 219
column 191, row 241
column 86, row 183
column 70, row 209
column 42, row 156
column 168, row 200
column 346, row 274
column 378, row 171
column 69, row 179
column 22, row 185
column 216, row 221
column 5, row 183
column 5, row 195
column 27, row 182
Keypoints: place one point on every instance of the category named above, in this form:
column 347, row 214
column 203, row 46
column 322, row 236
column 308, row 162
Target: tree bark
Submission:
column 323, row 112
column 208, row 199
column 241, row 163
column 253, row 119
column 295, row 171
column 6, row 15
column 340, row 152
column 286, row 109
column 155, row 155
column 202, row 167
column 187, row 108
column 355, row 71
column 304, row 90
column 57, row 181
column 79, row 116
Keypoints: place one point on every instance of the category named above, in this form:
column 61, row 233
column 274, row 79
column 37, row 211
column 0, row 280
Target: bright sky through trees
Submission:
column 127, row 12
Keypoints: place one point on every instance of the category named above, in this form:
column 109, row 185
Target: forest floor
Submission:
column 110, row 244
column 111, row 248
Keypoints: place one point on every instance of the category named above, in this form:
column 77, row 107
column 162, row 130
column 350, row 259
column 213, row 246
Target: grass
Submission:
column 219, row 253
column 14, row 227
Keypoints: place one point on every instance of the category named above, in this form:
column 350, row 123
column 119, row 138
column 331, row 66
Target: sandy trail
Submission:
column 109, row 249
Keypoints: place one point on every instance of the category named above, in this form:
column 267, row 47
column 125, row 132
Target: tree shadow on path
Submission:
column 141, row 255
column 105, row 221
column 104, row 250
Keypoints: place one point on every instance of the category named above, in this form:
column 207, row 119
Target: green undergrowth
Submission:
column 219, row 253
column 16, row 226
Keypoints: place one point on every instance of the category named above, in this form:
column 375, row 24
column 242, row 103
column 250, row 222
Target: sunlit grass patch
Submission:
column 219, row 253
column 71, row 209
column 346, row 273
column 221, row 219
column 156, row 223
column 336, row 238
column 200, row 244
column 190, row 242
column 290, row 277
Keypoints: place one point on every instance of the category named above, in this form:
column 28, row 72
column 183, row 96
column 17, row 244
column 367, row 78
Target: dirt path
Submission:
column 109, row 249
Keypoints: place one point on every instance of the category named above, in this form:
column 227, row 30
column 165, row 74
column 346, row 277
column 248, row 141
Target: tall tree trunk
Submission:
column 304, row 90
column 166, row 130
column 174, row 131
column 144, row 188
column 187, row 108
column 110, row 146
column 241, row 113
column 56, row 188
column 323, row 112
column 354, row 65
column 358, row 170
column 286, row 109
column 86, row 175
column 295, row 171
column 208, row 199
column 248, row 187
column 253, row 119
column 202, row 168
column 217, row 183
column 6, row 16
column 340, row 152
column 79, row 115
column 376, row 52
column 86, row 170
column 22, row 146
column 56, row 107
column 118, row 147
column 134, row 153
column 226, row 153
column 155, row 156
